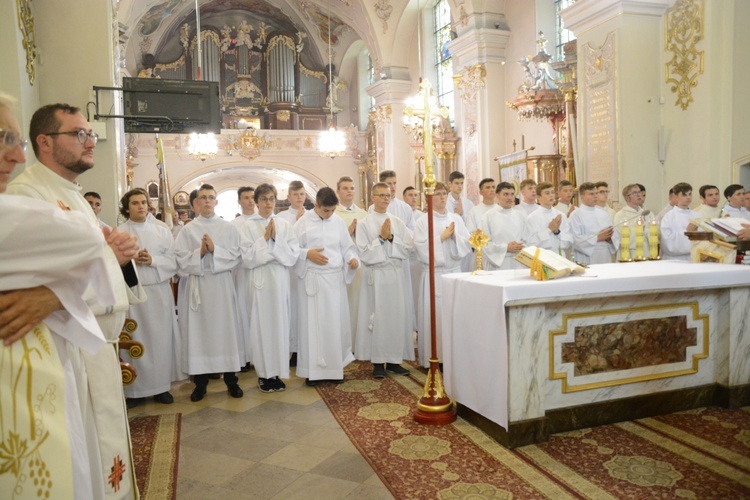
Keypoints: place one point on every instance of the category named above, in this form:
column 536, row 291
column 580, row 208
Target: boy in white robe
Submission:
column 157, row 322
column 269, row 249
column 457, row 202
column 411, row 198
column 489, row 202
column 674, row 244
column 528, row 203
column 451, row 244
column 384, row 330
column 505, row 228
column 207, row 250
column 326, row 263
column 246, row 201
column 594, row 239
column 565, row 193
column 710, row 197
column 602, row 198
column 296, row 196
column 735, row 195
column 547, row 227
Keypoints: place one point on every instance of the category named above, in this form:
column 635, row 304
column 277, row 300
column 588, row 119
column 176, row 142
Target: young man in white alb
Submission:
column 528, row 204
column 458, row 203
column 565, row 192
column 547, row 227
column 674, row 244
column 246, row 201
column 735, row 195
column 594, row 239
column 411, row 198
column 489, row 202
column 710, row 197
column 451, row 244
column 505, row 228
column 602, row 190
column 384, row 329
column 269, row 250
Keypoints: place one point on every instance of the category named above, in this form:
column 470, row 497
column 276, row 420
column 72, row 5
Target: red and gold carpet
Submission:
column 156, row 450
column 698, row 454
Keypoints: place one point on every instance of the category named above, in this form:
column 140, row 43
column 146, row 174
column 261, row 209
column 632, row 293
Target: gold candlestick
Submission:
column 653, row 241
column 639, row 240
column 625, row 244
column 478, row 240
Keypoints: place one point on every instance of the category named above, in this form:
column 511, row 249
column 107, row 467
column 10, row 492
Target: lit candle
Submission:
column 653, row 240
column 625, row 243
column 639, row 239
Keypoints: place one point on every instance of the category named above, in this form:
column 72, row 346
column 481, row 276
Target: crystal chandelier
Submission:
column 332, row 142
column 203, row 146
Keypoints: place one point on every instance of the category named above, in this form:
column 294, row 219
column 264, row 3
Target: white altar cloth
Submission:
column 475, row 336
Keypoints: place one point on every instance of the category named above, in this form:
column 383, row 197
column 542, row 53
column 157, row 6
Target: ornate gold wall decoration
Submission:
column 283, row 115
column 684, row 28
column 383, row 9
column 471, row 81
column 381, row 115
column 26, row 26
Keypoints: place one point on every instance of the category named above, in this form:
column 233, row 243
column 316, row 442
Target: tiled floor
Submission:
column 278, row 445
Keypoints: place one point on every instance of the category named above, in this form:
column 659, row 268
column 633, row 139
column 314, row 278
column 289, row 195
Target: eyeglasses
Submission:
column 383, row 196
column 81, row 134
column 635, row 193
column 207, row 197
column 263, row 199
column 11, row 139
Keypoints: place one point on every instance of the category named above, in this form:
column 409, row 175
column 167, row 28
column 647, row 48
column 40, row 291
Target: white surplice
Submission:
column 708, row 212
column 157, row 322
column 348, row 214
column 105, row 412
column 290, row 216
column 268, row 292
column 211, row 322
column 502, row 226
column 476, row 215
column 448, row 256
column 585, row 224
column 325, row 338
column 239, row 275
column 538, row 234
column 674, row 244
column 42, row 245
column 466, row 205
column 730, row 211
column 526, row 208
column 384, row 329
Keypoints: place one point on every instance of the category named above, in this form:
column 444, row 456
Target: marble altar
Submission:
column 524, row 359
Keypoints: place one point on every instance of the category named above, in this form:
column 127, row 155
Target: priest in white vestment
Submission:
column 246, row 201
column 269, row 249
column 64, row 151
column 505, row 229
column 594, row 239
column 629, row 216
column 327, row 262
column 710, row 197
column 207, row 250
column 547, row 227
column 674, row 244
column 157, row 329
column 352, row 215
column 384, row 330
column 451, row 243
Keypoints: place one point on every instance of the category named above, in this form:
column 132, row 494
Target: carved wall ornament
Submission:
column 600, row 63
column 283, row 115
column 470, row 81
column 383, row 9
column 381, row 115
column 463, row 17
column 684, row 28
column 26, row 26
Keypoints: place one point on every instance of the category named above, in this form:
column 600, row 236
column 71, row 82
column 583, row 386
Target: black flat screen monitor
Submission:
column 171, row 106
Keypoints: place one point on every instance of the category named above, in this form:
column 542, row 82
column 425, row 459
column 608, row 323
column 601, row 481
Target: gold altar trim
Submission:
column 563, row 376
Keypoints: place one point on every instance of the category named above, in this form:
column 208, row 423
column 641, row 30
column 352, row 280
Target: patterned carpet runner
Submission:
column 156, row 450
column 702, row 453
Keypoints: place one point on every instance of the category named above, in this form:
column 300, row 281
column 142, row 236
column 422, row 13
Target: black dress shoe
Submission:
column 311, row 383
column 235, row 391
column 246, row 368
column 337, row 381
column 164, row 398
column 378, row 370
column 197, row 394
column 396, row 369
column 132, row 402
column 293, row 359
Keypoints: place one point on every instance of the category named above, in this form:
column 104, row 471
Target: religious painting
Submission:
column 152, row 188
column 181, row 200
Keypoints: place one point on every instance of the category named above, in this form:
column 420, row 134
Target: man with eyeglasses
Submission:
column 602, row 196
column 269, row 248
column 630, row 214
column 64, row 146
column 384, row 330
column 207, row 250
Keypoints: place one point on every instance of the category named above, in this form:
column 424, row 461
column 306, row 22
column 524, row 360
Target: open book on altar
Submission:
column 553, row 265
column 723, row 228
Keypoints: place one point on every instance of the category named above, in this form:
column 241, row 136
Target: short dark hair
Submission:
column 408, row 188
column 125, row 200
column 44, row 121
column 296, row 186
column 682, row 188
column 93, row 194
column 193, row 196
column 386, row 174
column 485, row 181
column 455, row 175
column 586, row 186
column 244, row 189
column 564, row 182
column 207, row 187
column 643, row 188
column 505, row 185
column 263, row 189
column 345, row 178
column 326, row 197
column 542, row 186
column 601, row 184
column 731, row 189
column 702, row 190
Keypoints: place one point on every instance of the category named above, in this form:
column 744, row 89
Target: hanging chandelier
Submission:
column 332, row 142
column 203, row 146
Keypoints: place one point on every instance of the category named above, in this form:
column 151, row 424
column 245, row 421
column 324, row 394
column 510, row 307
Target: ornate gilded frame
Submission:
column 26, row 27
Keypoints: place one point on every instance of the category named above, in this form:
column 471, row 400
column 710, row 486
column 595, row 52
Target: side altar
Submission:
column 525, row 359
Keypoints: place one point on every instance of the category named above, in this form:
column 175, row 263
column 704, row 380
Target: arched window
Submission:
column 564, row 35
column 443, row 34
